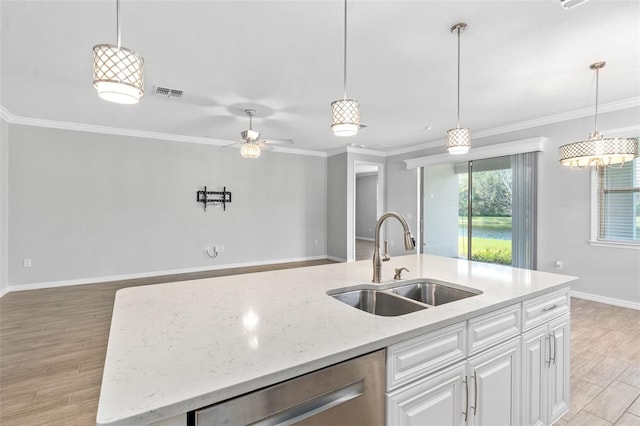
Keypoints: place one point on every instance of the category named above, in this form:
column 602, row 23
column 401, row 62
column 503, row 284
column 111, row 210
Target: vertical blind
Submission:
column 619, row 203
column 524, row 205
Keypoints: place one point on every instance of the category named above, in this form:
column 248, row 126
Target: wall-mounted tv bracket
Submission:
column 205, row 197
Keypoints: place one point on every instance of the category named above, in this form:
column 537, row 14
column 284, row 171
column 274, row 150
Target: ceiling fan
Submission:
column 250, row 143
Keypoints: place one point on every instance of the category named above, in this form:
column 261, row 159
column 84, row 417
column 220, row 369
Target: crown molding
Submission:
column 6, row 115
column 356, row 150
column 536, row 122
column 489, row 151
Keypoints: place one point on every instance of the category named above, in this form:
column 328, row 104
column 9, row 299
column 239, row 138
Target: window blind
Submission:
column 619, row 203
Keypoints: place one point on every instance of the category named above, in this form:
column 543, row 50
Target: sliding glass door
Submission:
column 481, row 210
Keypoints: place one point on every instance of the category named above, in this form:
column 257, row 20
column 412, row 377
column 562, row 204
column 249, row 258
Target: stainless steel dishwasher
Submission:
column 348, row 393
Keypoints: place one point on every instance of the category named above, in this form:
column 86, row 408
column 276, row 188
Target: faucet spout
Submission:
column 409, row 242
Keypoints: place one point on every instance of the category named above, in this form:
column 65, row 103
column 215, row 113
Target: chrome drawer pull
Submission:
column 466, row 403
column 548, row 308
column 475, row 393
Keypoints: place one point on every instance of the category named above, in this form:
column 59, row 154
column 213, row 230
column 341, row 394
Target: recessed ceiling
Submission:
column 520, row 60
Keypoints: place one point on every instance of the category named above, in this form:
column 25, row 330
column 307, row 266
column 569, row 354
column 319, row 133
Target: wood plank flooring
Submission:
column 53, row 343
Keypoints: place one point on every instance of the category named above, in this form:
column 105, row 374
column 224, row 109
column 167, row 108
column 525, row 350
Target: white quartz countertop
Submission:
column 180, row 346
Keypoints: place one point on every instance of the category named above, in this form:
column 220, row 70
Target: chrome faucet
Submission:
column 409, row 243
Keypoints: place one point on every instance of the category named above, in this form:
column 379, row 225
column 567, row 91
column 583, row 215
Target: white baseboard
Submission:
column 336, row 259
column 365, row 238
column 604, row 299
column 95, row 280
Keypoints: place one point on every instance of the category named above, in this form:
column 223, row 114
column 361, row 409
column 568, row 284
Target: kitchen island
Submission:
column 177, row 347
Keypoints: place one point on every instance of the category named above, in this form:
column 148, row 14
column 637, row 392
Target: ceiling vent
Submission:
column 568, row 4
column 167, row 93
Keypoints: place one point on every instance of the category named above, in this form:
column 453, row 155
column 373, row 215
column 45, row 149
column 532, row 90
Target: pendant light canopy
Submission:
column 117, row 71
column 598, row 151
column 458, row 139
column 345, row 113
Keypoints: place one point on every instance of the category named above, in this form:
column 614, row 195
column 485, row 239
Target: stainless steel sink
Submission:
column 432, row 293
column 399, row 298
column 378, row 302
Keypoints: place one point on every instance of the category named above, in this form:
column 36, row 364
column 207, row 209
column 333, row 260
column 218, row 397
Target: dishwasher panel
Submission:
column 348, row 393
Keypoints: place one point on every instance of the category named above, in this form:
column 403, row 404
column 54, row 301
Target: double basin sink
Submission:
column 403, row 297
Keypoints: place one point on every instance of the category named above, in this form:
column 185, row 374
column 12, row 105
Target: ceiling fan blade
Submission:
column 277, row 141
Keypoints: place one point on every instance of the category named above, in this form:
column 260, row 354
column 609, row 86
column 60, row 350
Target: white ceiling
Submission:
column 521, row 60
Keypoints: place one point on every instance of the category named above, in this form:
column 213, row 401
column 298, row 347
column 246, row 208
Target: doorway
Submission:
column 368, row 199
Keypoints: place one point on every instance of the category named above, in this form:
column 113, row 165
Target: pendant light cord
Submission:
column 345, row 50
column 118, row 21
column 458, row 77
column 597, row 89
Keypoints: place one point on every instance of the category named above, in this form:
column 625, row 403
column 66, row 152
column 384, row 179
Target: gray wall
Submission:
column 86, row 205
column 564, row 199
column 366, row 197
column 4, row 197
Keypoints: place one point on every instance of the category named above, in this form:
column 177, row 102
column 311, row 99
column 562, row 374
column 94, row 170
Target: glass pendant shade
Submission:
column 250, row 150
column 458, row 140
column 118, row 74
column 598, row 152
column 345, row 117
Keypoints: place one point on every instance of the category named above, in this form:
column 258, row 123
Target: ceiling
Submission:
column 521, row 60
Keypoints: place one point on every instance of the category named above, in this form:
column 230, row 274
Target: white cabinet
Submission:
column 494, row 386
column 438, row 399
column 545, row 395
column 480, row 381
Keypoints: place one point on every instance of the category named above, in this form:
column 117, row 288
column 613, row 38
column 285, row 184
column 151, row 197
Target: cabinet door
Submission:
column 494, row 386
column 438, row 399
column 559, row 372
column 535, row 360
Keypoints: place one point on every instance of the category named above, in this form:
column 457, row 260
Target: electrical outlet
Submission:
column 221, row 248
column 559, row 265
column 27, row 263
column 216, row 249
column 207, row 249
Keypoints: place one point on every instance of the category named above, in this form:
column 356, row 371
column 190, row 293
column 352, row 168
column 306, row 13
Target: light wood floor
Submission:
column 53, row 343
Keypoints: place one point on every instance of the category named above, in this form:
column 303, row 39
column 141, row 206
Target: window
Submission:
column 617, row 204
column 482, row 210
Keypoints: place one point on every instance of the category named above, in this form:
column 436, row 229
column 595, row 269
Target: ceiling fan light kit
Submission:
column 598, row 151
column 250, row 149
column 117, row 71
column 458, row 139
column 345, row 113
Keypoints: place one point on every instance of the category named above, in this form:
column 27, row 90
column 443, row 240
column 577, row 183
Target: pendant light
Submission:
column 598, row 151
column 345, row 113
column 118, row 71
column 458, row 139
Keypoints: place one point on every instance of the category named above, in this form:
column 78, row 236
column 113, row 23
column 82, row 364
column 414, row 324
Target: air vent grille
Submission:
column 167, row 93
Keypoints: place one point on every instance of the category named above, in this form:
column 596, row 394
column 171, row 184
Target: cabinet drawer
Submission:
column 492, row 328
column 542, row 309
column 424, row 354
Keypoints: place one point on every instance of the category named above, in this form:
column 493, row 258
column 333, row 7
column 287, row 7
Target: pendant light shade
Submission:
column 345, row 117
column 598, row 151
column 458, row 139
column 250, row 150
column 345, row 113
column 117, row 71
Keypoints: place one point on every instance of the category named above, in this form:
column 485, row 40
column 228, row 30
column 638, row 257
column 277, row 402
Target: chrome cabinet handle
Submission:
column 548, row 308
column 547, row 360
column 554, row 348
column 475, row 392
column 466, row 401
